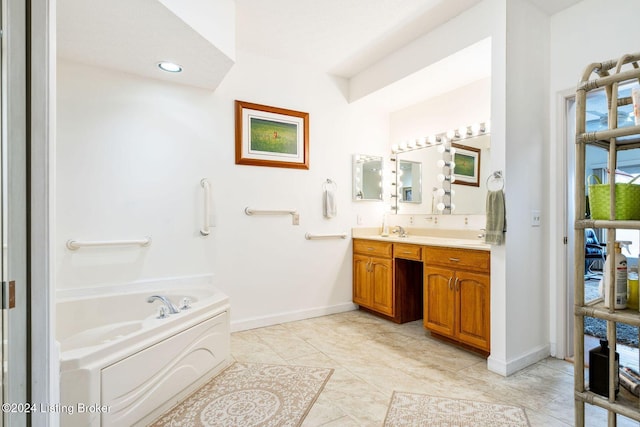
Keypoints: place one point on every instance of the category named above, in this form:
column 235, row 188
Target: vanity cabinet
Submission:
column 373, row 276
column 457, row 295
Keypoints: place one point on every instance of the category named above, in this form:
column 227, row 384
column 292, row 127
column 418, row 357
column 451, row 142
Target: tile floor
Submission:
column 373, row 357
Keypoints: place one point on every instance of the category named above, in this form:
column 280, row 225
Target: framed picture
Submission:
column 467, row 170
column 270, row 136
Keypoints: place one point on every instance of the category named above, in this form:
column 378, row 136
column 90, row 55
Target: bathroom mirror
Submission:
column 409, row 181
column 367, row 177
column 468, row 199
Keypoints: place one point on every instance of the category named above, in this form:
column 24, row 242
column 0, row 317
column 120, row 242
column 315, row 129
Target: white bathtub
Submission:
column 121, row 365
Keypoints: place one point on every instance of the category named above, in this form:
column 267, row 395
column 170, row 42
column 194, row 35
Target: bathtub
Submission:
column 121, row 365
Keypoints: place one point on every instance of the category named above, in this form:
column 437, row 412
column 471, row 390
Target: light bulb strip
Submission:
column 464, row 132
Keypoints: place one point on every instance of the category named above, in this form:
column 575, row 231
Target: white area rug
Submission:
column 249, row 394
column 410, row 409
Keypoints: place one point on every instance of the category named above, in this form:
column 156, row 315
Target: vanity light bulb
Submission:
column 452, row 178
column 403, row 146
column 440, row 163
column 440, row 177
column 440, row 206
column 475, row 128
column 422, row 142
column 441, row 148
column 395, row 148
column 452, row 151
column 440, row 192
column 452, row 165
column 453, row 193
column 453, row 207
column 451, row 133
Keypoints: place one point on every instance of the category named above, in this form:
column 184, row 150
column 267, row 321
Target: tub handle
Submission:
column 186, row 303
column 163, row 313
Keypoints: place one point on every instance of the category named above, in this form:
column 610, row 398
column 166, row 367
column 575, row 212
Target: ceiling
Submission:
column 343, row 37
column 340, row 37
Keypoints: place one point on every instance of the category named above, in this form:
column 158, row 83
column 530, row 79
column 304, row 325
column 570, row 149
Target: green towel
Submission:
column 496, row 218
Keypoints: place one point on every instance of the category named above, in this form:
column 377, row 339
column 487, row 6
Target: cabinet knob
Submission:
column 454, row 259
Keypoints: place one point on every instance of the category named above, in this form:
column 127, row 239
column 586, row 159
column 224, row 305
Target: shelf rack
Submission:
column 610, row 75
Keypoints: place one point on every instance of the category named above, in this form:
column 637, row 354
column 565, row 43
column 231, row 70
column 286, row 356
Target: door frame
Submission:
column 44, row 361
column 562, row 236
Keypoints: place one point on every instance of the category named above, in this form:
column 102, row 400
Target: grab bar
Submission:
column 294, row 213
column 310, row 236
column 207, row 189
column 75, row 244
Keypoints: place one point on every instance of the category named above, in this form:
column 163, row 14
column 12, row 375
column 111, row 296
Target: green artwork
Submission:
column 273, row 137
column 465, row 165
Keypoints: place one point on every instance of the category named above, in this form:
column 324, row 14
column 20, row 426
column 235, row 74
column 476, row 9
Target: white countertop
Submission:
column 423, row 239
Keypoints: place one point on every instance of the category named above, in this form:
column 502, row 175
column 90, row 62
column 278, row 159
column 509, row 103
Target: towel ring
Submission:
column 329, row 182
column 498, row 179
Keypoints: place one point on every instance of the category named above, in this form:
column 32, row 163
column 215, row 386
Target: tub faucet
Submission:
column 170, row 306
column 401, row 231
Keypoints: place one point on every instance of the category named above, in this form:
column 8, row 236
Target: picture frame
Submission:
column 467, row 170
column 271, row 136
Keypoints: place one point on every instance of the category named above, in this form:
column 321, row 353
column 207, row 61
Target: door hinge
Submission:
column 9, row 294
column 565, row 240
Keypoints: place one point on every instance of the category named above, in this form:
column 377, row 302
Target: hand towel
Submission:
column 496, row 218
column 329, row 209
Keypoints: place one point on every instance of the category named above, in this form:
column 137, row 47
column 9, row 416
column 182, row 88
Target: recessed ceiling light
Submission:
column 169, row 67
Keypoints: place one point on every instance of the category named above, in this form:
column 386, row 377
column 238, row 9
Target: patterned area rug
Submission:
column 249, row 394
column 410, row 409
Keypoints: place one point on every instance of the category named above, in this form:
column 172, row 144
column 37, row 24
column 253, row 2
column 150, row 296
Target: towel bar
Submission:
column 75, row 244
column 310, row 236
column 294, row 213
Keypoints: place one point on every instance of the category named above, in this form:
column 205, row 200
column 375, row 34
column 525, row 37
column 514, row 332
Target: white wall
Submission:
column 130, row 157
column 580, row 35
column 526, row 124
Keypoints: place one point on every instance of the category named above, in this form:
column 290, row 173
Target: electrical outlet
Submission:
column 535, row 218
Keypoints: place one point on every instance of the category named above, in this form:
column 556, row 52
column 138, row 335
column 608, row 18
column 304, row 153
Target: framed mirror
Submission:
column 367, row 177
column 409, row 181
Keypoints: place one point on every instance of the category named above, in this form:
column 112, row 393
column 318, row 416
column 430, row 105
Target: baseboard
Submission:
column 291, row 316
column 512, row 366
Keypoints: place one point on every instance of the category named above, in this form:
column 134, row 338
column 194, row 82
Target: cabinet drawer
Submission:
column 372, row 247
column 405, row 251
column 458, row 258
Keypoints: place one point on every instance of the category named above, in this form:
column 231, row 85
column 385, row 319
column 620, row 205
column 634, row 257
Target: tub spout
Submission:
column 170, row 306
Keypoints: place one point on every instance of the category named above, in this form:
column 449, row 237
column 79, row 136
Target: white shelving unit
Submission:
column 608, row 75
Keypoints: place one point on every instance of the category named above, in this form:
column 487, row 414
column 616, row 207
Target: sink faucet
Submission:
column 400, row 230
column 170, row 306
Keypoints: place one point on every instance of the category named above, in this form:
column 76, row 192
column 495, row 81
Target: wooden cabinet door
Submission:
column 439, row 300
column 473, row 296
column 381, row 271
column 361, row 280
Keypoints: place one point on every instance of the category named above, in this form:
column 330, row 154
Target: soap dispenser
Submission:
column 385, row 226
column 599, row 369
